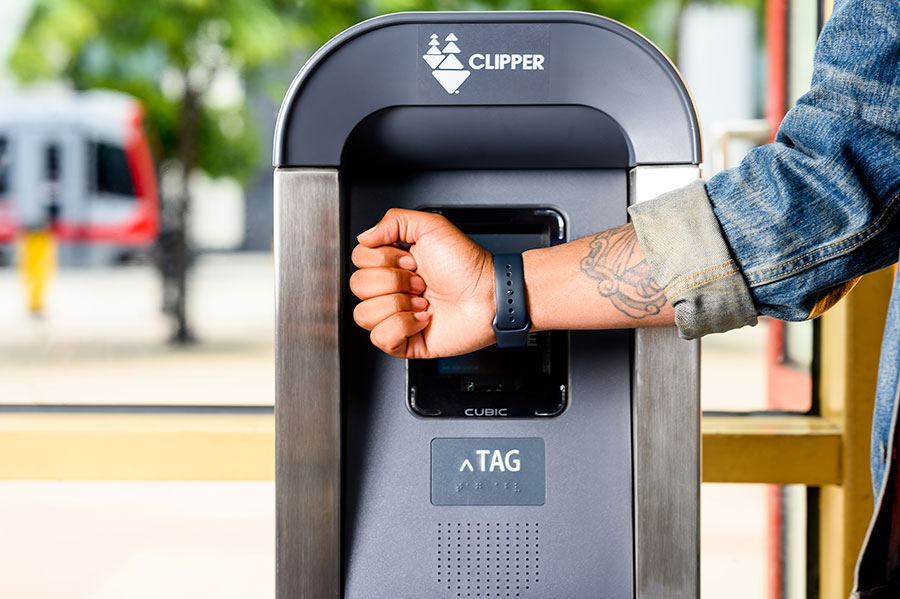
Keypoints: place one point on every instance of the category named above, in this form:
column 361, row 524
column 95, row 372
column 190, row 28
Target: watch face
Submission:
column 513, row 382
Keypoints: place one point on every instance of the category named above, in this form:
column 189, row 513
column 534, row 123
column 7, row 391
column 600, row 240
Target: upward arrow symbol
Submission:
column 466, row 464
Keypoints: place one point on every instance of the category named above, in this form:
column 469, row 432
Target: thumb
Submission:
column 406, row 226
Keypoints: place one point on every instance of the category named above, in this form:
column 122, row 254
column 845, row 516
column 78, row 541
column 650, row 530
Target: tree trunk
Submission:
column 676, row 30
column 181, row 250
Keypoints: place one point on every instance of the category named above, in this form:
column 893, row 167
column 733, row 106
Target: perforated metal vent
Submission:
column 488, row 559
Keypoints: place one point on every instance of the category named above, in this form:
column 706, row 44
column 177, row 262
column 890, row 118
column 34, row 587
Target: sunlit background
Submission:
column 136, row 270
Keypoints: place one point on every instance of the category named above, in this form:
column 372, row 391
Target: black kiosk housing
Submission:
column 568, row 468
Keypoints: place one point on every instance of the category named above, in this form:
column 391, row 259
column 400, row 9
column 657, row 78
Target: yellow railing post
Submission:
column 850, row 343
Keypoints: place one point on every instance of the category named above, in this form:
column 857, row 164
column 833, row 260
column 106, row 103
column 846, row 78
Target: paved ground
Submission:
column 166, row 540
column 103, row 338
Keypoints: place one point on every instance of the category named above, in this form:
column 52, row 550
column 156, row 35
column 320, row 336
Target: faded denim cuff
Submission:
column 688, row 257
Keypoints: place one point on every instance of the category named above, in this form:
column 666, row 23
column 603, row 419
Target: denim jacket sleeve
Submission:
column 788, row 231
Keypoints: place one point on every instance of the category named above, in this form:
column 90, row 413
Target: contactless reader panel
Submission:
column 567, row 468
column 523, row 382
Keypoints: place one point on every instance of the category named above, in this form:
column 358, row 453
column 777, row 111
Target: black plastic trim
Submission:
column 282, row 155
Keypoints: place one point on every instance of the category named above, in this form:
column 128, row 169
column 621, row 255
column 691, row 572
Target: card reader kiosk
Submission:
column 568, row 468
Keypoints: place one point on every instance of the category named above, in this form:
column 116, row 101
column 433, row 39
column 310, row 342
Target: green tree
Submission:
column 167, row 53
column 326, row 18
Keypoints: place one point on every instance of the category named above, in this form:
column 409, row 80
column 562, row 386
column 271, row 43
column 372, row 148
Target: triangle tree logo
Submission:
column 445, row 66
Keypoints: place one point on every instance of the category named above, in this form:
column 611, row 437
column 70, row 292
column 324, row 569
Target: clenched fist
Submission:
column 433, row 299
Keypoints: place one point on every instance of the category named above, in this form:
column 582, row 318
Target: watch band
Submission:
column 511, row 321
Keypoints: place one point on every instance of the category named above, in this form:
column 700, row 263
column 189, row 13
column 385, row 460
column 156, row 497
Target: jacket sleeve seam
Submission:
column 690, row 276
column 704, row 281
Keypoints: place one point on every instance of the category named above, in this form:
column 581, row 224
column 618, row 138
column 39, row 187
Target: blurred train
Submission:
column 80, row 163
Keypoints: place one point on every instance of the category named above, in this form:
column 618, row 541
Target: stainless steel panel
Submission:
column 666, row 429
column 666, row 465
column 307, row 406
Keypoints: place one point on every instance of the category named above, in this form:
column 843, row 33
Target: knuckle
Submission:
column 400, row 302
column 354, row 281
column 361, row 284
column 359, row 315
column 381, row 340
column 389, row 336
column 440, row 219
column 399, row 279
column 356, row 255
column 384, row 259
column 375, row 340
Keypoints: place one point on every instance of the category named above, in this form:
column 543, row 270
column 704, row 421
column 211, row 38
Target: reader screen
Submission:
column 520, row 381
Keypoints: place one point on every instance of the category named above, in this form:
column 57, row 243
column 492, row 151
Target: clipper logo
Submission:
column 445, row 66
column 451, row 73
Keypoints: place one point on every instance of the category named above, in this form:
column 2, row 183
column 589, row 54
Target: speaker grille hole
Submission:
column 488, row 559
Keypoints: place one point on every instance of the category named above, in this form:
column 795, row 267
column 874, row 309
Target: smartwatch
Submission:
column 511, row 321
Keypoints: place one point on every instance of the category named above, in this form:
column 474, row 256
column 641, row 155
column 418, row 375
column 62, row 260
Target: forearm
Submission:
column 597, row 282
column 435, row 296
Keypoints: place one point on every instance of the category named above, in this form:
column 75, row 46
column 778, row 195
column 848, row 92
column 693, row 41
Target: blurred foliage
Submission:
column 325, row 18
column 159, row 50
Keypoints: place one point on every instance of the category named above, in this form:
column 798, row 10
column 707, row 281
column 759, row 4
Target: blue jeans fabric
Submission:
column 878, row 569
column 885, row 394
column 798, row 222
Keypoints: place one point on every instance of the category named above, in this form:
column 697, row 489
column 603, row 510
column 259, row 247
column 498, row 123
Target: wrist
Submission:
column 487, row 301
column 530, row 265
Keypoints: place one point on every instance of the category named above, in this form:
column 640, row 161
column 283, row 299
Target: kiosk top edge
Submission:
column 284, row 154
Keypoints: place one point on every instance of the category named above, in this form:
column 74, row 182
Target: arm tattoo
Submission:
column 621, row 277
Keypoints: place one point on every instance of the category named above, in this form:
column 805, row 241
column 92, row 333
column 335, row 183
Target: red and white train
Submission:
column 84, row 158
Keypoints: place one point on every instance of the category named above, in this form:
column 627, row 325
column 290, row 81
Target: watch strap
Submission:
column 511, row 320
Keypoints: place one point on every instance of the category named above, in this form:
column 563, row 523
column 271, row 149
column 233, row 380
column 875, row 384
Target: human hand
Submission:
column 434, row 299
